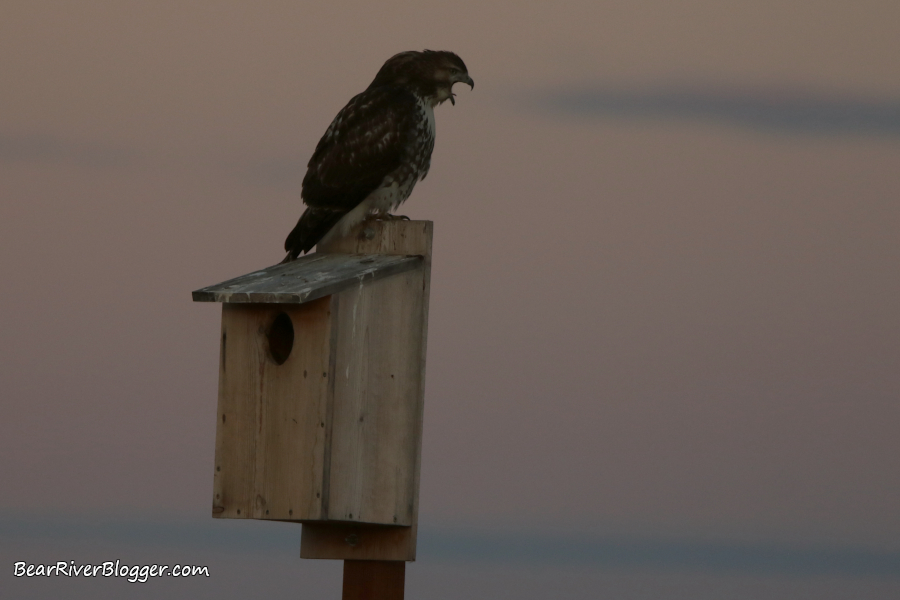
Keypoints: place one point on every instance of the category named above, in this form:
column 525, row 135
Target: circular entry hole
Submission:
column 281, row 338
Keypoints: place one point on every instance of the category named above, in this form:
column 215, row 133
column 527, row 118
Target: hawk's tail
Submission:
column 312, row 227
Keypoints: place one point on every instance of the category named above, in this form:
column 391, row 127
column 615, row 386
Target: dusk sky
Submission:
column 664, row 340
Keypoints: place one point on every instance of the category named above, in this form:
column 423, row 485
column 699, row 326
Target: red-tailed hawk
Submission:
column 376, row 148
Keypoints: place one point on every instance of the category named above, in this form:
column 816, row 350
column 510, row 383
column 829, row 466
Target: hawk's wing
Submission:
column 369, row 139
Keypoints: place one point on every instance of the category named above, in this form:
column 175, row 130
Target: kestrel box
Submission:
column 321, row 390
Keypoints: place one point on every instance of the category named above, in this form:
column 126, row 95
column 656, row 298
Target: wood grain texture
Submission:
column 333, row 540
column 375, row 451
column 308, row 278
column 271, row 434
column 374, row 580
column 376, row 409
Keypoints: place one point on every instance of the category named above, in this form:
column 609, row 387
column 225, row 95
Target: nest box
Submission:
column 321, row 390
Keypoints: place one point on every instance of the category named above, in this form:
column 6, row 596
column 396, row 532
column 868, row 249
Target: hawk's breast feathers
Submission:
column 383, row 135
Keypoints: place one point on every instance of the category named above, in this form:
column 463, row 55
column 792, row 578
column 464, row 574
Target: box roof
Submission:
column 308, row 278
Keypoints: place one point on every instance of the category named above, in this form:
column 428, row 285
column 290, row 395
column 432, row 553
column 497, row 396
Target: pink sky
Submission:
column 639, row 324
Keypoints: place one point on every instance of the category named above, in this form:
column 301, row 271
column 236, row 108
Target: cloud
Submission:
column 234, row 535
column 52, row 149
column 668, row 554
column 443, row 545
column 770, row 110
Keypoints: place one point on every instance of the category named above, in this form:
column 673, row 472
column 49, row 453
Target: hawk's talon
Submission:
column 390, row 217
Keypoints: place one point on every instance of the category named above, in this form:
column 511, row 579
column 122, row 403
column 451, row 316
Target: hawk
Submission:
column 377, row 147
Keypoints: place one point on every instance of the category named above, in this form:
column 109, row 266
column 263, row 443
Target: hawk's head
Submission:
column 429, row 74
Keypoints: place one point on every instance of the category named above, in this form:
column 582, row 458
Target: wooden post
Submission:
column 374, row 579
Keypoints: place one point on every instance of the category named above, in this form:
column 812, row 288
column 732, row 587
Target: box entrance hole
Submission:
column 281, row 338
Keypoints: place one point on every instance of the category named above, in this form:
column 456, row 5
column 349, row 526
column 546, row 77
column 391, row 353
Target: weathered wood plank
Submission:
column 308, row 278
column 236, row 441
column 270, row 434
column 376, row 402
column 349, row 541
column 375, row 446
column 296, row 394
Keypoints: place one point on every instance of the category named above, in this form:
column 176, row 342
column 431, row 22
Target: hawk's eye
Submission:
column 454, row 71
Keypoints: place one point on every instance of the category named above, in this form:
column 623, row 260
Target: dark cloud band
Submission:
column 765, row 110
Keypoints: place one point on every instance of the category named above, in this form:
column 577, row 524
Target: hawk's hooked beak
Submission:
column 468, row 81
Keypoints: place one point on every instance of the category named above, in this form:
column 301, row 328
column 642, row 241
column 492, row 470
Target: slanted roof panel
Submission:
column 309, row 278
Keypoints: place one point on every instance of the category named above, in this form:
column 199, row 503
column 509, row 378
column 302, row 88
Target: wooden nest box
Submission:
column 321, row 390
